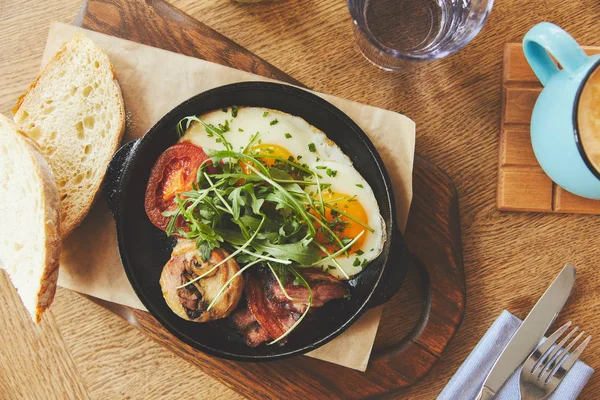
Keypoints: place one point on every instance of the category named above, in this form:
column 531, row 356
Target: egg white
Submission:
column 298, row 142
column 347, row 181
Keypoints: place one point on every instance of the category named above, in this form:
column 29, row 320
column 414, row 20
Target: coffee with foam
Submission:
column 588, row 119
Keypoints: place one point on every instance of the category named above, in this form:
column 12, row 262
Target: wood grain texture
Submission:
column 58, row 359
column 392, row 365
column 509, row 257
column 123, row 19
column 33, row 357
column 522, row 184
column 433, row 236
column 456, row 105
column 116, row 362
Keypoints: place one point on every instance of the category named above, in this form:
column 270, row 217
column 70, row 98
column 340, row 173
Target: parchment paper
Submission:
column 154, row 81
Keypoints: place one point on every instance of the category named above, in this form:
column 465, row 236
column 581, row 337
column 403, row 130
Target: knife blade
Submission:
column 529, row 334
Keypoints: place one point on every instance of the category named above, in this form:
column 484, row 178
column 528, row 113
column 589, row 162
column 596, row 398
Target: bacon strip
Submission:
column 324, row 289
column 243, row 318
column 270, row 314
column 253, row 333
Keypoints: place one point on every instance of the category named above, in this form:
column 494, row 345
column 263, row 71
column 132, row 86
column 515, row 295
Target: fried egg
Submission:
column 348, row 196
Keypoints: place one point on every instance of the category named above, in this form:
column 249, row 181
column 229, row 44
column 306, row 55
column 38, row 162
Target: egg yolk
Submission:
column 340, row 224
column 269, row 150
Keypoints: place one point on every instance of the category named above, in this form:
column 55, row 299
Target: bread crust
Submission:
column 51, row 205
column 51, row 216
column 67, row 228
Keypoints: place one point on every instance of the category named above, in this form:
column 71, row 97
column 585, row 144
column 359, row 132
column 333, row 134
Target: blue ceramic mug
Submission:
column 555, row 134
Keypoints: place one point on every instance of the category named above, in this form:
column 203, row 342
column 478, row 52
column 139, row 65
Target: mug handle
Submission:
column 547, row 39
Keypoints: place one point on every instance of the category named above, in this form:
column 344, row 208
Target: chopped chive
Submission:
column 224, row 127
column 359, row 252
column 224, row 109
column 265, row 113
column 312, row 148
column 274, row 122
column 240, row 130
column 320, row 167
column 359, row 185
column 356, row 262
column 234, row 111
column 332, row 173
column 288, row 136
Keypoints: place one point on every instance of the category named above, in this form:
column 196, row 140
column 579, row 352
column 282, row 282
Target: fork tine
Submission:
column 544, row 347
column 575, row 355
column 563, row 356
column 571, row 358
column 555, row 353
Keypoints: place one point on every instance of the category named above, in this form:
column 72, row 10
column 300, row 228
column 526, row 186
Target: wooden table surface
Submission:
column 80, row 350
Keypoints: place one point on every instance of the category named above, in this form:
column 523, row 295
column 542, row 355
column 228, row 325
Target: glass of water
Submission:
column 393, row 33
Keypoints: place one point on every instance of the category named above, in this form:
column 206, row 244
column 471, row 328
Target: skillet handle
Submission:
column 395, row 272
column 414, row 356
column 434, row 239
column 114, row 173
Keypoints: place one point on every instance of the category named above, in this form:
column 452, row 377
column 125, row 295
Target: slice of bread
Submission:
column 30, row 215
column 74, row 111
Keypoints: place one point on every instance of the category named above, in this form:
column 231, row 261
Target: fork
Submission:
column 547, row 366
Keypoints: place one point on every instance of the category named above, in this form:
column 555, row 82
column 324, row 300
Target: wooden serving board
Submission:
column 433, row 236
column 522, row 184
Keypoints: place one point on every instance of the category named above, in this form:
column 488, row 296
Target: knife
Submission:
column 529, row 334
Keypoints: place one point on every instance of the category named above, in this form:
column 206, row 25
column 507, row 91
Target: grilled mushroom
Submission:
column 190, row 302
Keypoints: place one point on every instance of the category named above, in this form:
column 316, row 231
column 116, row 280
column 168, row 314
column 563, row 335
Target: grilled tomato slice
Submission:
column 174, row 172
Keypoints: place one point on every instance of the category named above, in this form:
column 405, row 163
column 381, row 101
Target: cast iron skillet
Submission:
column 144, row 249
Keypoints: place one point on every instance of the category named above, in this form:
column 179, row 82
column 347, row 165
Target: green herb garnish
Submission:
column 224, row 127
column 266, row 210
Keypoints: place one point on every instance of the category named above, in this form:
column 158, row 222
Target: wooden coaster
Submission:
column 522, row 184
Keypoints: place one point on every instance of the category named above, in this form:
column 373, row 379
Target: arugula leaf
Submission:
column 205, row 250
column 279, row 174
column 237, row 201
column 303, row 255
column 251, row 222
column 281, row 201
